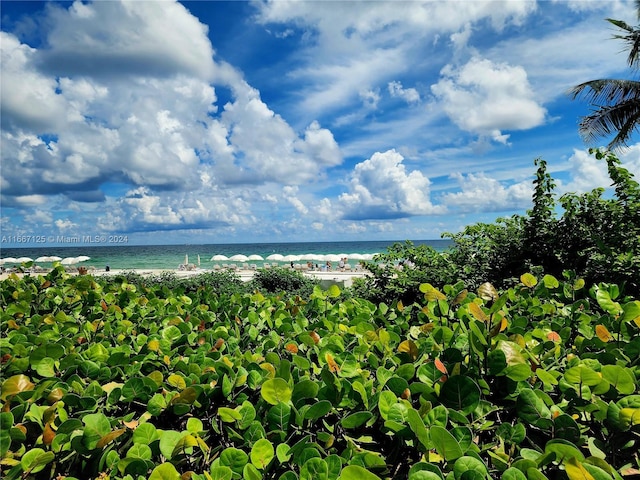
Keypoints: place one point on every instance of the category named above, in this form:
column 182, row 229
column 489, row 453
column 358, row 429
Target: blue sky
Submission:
column 224, row 122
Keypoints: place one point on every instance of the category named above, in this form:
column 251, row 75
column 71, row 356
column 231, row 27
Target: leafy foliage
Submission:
column 133, row 382
column 616, row 101
column 278, row 280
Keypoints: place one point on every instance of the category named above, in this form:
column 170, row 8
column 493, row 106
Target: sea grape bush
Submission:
column 123, row 381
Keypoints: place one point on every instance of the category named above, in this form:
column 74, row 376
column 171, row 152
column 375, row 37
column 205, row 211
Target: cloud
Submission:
column 131, row 38
column 155, row 125
column 381, row 188
column 409, row 95
column 587, row 173
column 480, row 193
column 483, row 97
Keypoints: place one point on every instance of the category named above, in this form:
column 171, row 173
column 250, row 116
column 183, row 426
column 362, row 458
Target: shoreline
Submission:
column 341, row 278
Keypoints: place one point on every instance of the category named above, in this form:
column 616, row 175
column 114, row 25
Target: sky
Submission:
column 162, row 122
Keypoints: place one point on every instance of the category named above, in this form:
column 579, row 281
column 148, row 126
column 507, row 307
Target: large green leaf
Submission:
column 314, row 469
column 36, row 459
column 262, row 453
column 531, row 408
column 165, row 471
column 460, row 393
column 582, row 375
column 234, row 458
column 276, row 390
column 620, row 378
column 445, row 443
column 469, row 464
column 356, row 472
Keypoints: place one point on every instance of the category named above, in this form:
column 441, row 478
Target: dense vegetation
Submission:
column 116, row 380
column 578, row 235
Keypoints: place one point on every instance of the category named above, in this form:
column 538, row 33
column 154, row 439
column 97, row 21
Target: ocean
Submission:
column 140, row 257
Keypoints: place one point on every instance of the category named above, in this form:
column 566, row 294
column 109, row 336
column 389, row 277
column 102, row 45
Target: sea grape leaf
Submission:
column 356, row 472
column 418, row 428
column 334, row 464
column 356, row 419
column 14, row 385
column 168, row 441
column 631, row 312
column 229, row 415
column 531, row 408
column 247, row 415
column 603, row 297
column 141, row 451
column 550, row 282
column 34, row 460
column 283, row 452
column 6, row 423
column 468, row 464
column 563, row 450
column 96, row 426
column 262, row 453
column 528, row 280
column 575, row 470
column 234, row 458
column 314, row 469
column 513, row 473
column 582, row 375
column 620, row 378
column 276, row 390
column 250, row 472
column 461, row 393
column 165, row 471
column 487, row 292
column 445, row 443
column 566, row 428
column 318, row 410
column 386, row 400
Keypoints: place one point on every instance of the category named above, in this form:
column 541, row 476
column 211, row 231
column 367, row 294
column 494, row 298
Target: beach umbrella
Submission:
column 291, row 258
column 355, row 256
column 332, row 257
column 82, row 258
column 24, row 259
column 255, row 257
column 276, row 257
column 8, row 260
column 47, row 258
column 68, row 261
column 219, row 258
column 238, row 258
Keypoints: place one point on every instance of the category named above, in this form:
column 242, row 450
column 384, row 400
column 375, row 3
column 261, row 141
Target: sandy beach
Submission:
column 340, row 278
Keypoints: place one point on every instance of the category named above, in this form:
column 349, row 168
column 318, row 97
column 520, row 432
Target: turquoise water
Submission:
column 170, row 256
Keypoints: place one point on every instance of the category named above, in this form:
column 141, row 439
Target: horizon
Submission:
column 224, row 122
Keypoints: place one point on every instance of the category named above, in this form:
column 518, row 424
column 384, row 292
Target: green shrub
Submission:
column 279, row 280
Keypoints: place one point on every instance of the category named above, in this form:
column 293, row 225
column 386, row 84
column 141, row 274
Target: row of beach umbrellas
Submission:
column 276, row 257
column 45, row 259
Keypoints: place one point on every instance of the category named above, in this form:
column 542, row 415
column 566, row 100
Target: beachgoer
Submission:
column 107, row 268
column 328, row 265
column 341, row 264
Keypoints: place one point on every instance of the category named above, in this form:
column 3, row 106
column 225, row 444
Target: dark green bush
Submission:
column 279, row 280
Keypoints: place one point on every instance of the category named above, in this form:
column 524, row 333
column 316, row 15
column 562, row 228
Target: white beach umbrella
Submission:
column 219, row 258
column 355, row 256
column 8, row 260
column 315, row 257
column 47, row 259
column 238, row 258
column 291, row 258
column 332, row 257
column 82, row 258
column 24, row 259
column 276, row 257
column 68, row 261
column 255, row 257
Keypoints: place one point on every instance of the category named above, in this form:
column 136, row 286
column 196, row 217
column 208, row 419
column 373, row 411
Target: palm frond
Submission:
column 607, row 91
column 623, row 118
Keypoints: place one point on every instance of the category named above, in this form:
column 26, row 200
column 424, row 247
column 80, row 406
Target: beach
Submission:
column 327, row 278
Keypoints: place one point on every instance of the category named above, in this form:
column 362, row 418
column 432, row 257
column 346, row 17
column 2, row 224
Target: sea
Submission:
column 140, row 257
